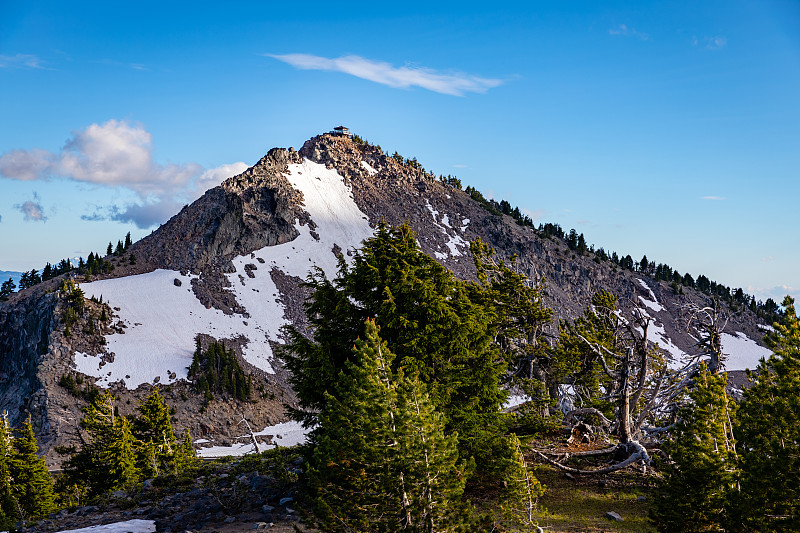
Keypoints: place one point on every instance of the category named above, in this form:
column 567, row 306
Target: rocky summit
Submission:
column 230, row 267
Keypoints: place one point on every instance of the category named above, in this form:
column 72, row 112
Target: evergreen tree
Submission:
column 769, row 435
column 110, row 249
column 127, row 241
column 381, row 460
column 9, row 512
column 7, row 289
column 108, row 461
column 700, row 478
column 523, row 489
column 153, row 430
column 33, row 486
column 433, row 322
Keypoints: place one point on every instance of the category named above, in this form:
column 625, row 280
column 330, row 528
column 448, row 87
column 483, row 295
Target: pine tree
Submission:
column 522, row 489
column 33, row 485
column 9, row 512
column 7, row 289
column 108, row 461
column 769, row 434
column 127, row 241
column 110, row 249
column 700, row 479
column 434, row 323
column 381, row 460
column 153, row 429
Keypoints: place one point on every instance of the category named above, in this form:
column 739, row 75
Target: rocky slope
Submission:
column 230, row 265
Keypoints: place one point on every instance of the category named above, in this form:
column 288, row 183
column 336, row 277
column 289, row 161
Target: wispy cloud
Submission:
column 117, row 154
column 20, row 61
column 32, row 210
column 777, row 293
column 454, row 83
column 767, row 259
column 713, row 198
column 711, row 43
column 624, row 29
column 536, row 215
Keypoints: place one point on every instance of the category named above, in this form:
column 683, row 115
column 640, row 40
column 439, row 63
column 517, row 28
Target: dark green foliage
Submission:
column 381, row 459
column 7, row 289
column 522, row 489
column 156, row 439
column 699, row 481
column 768, row 432
column 32, row 488
column 124, row 450
column 127, row 241
column 216, row 370
column 519, row 319
column 9, row 511
column 430, row 320
column 110, row 249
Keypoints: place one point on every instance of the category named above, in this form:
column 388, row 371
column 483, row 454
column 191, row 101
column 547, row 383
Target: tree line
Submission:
column 94, row 264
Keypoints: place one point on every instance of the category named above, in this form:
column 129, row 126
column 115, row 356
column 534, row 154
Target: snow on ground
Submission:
column 453, row 241
column 765, row 327
column 658, row 335
column 742, row 351
column 129, row 526
column 162, row 319
column 371, row 171
column 514, row 400
column 652, row 303
column 283, row 435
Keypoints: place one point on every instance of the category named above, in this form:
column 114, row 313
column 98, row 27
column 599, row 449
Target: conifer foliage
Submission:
column 769, row 435
column 26, row 488
column 381, row 459
column 216, row 370
column 700, row 479
column 123, row 450
column 435, row 324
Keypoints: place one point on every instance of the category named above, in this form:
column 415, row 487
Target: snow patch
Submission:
column 371, row 171
column 742, row 351
column 453, row 241
column 766, row 327
column 162, row 319
column 129, row 526
column 514, row 400
column 283, row 435
column 653, row 302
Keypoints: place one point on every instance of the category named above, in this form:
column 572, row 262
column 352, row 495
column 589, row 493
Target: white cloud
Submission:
column 717, row 42
column 20, row 61
column 777, row 293
column 714, row 198
column 767, row 259
column 117, row 154
column 535, row 215
column 32, row 210
column 624, row 29
column 213, row 177
column 456, row 84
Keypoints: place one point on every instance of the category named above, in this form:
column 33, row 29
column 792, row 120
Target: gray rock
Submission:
column 286, row 500
column 611, row 515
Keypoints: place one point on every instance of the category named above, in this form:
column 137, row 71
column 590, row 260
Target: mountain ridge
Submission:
column 233, row 263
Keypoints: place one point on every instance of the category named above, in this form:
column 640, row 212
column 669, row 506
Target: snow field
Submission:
column 163, row 319
column 742, row 351
column 284, row 435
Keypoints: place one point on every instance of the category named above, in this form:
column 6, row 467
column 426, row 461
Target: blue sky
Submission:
column 670, row 129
